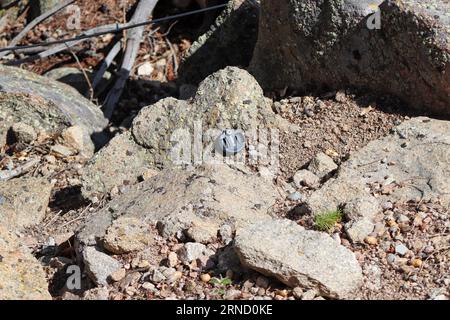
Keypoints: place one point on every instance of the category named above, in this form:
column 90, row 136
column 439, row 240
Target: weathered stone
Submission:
column 127, row 234
column 229, row 98
column 77, row 138
column 322, row 165
column 306, row 178
column 21, row 275
column 23, row 133
column 229, row 42
column 367, row 207
column 423, row 164
column 206, row 195
column 24, row 201
column 176, row 132
column 299, row 257
column 99, row 265
column 46, row 104
column 62, row 151
column 120, row 162
column 328, row 45
column 191, row 251
column 358, row 230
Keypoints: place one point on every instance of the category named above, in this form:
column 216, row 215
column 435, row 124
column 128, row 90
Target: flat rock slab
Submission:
column 45, row 103
column 412, row 162
column 205, row 197
column 23, row 201
column 299, row 257
column 21, row 275
column 328, row 45
column 120, row 162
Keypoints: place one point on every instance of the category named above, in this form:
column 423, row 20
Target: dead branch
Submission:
column 106, row 63
column 64, row 46
column 6, row 175
column 142, row 13
column 35, row 22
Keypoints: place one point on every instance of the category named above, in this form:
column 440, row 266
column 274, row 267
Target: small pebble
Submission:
column 401, row 249
column 262, row 282
column 205, row 277
column 371, row 240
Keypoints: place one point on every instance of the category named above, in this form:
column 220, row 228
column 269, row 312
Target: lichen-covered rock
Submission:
column 46, row 104
column 120, row 162
column 126, row 235
column 21, row 275
column 327, row 45
column 415, row 158
column 175, row 132
column 229, row 42
column 229, row 98
column 23, row 201
column 299, row 257
column 206, row 196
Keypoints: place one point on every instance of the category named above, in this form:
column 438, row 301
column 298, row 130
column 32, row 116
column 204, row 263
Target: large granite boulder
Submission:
column 333, row 44
column 177, row 132
column 45, row 104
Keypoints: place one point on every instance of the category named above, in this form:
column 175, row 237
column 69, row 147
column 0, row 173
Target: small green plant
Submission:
column 221, row 284
column 221, row 281
column 326, row 221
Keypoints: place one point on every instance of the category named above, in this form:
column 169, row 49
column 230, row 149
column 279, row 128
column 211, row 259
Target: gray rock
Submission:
column 299, row 257
column 229, row 98
column 62, row 151
column 309, row 295
column 327, row 44
column 205, row 196
column 21, row 275
column 24, row 203
column 401, row 249
column 38, row 7
column 120, row 162
column 322, row 165
column 99, row 265
column 191, row 251
column 306, row 178
column 23, row 133
column 178, row 133
column 423, row 164
column 229, row 42
column 45, row 104
column 126, row 235
column 295, row 196
column 367, row 207
column 359, row 229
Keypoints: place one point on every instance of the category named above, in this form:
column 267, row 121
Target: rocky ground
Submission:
column 350, row 200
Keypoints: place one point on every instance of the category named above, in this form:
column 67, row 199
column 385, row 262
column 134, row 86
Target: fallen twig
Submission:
column 142, row 13
column 35, row 22
column 6, row 175
column 65, row 45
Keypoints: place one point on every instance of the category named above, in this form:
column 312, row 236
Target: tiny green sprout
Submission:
column 325, row 221
column 221, row 281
